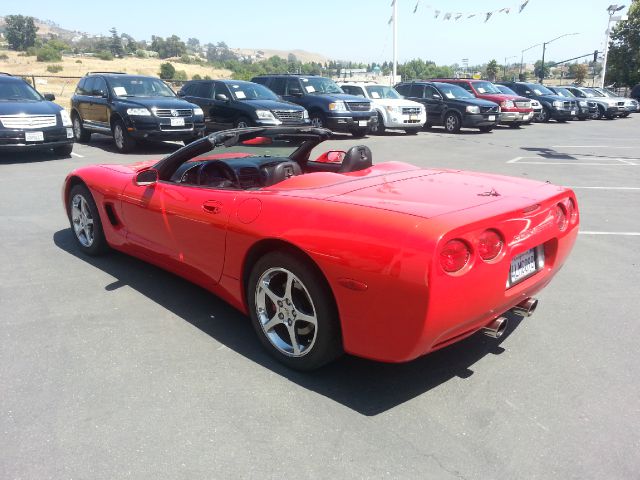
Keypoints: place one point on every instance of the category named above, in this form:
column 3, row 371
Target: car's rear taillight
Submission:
column 560, row 216
column 490, row 245
column 572, row 211
column 454, row 256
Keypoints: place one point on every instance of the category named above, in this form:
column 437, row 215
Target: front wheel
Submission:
column 79, row 132
column 544, row 115
column 378, row 128
column 452, row 123
column 485, row 129
column 243, row 122
column 293, row 311
column 599, row 114
column 85, row 221
column 124, row 142
column 317, row 120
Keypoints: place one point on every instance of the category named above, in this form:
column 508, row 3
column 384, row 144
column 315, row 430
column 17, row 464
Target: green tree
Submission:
column 20, row 31
column 167, row 71
column 623, row 61
column 537, row 69
column 580, row 72
column 115, row 44
column 492, row 70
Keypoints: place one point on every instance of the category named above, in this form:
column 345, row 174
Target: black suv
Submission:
column 30, row 121
column 553, row 106
column 234, row 103
column 451, row 106
column 586, row 108
column 131, row 107
column 327, row 104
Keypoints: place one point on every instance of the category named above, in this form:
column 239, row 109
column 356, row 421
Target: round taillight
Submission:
column 560, row 216
column 490, row 245
column 454, row 256
column 572, row 210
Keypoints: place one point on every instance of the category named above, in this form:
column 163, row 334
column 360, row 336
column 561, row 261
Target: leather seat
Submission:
column 356, row 158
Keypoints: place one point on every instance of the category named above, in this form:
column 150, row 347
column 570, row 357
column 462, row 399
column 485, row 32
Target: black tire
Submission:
column 624, row 115
column 63, row 151
column 79, row 132
column 317, row 119
column 91, row 240
column 514, row 125
column 310, row 295
column 378, row 128
column 599, row 114
column 452, row 122
column 411, row 131
column 243, row 122
column 544, row 115
column 359, row 132
column 122, row 139
column 485, row 129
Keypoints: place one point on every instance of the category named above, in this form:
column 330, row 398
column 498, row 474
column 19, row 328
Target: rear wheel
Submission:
column 293, row 311
column 79, row 133
column 452, row 122
column 124, row 142
column 85, row 221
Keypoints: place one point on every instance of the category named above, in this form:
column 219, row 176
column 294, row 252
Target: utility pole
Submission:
column 522, row 55
column 544, row 48
column 611, row 9
column 395, row 40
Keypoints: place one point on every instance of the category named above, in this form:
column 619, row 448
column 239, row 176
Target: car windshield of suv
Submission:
column 251, row 91
column 139, row 87
column 453, row 91
column 18, row 92
column 506, row 90
column 608, row 93
column 540, row 90
column 563, row 92
column 320, row 85
column 591, row 93
column 381, row 91
column 485, row 87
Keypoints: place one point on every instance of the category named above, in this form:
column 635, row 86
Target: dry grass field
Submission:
column 78, row 66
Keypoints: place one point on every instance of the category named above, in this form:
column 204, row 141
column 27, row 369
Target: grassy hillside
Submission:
column 79, row 66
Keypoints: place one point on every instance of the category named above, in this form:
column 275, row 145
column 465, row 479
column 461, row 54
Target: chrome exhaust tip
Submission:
column 496, row 328
column 526, row 308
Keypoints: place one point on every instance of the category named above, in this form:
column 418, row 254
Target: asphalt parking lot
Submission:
column 111, row 368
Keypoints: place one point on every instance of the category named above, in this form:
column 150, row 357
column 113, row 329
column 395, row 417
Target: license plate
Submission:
column 573, row 112
column 69, row 133
column 413, row 117
column 363, row 123
column 492, row 118
column 523, row 266
column 34, row 136
column 177, row 122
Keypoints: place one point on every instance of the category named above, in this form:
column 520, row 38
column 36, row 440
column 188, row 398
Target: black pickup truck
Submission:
column 327, row 104
column 451, row 106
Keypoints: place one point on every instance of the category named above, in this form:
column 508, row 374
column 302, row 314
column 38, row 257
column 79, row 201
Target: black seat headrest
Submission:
column 356, row 158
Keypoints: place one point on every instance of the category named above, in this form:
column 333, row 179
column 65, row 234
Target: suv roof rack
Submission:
column 110, row 73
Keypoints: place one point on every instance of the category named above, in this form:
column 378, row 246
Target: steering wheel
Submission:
column 215, row 174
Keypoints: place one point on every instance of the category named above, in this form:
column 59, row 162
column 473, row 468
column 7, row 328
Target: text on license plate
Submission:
column 573, row 112
column 523, row 266
column 492, row 118
column 34, row 136
column 363, row 123
column 177, row 122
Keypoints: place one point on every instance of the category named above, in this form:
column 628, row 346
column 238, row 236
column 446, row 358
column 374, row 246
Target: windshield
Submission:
column 540, row 90
column 589, row 92
column 485, row 87
column 251, row 91
column 381, row 91
column 139, row 87
column 320, row 85
column 506, row 90
column 453, row 91
column 18, row 91
column 608, row 93
column 256, row 147
column 563, row 92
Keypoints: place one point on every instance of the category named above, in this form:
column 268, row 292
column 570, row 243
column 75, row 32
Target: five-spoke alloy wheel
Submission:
column 85, row 221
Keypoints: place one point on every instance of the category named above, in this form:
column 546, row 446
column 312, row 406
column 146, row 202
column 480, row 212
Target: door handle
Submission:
column 212, row 206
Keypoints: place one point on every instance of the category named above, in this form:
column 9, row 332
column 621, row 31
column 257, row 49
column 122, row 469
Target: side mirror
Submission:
column 436, row 96
column 49, row 97
column 222, row 97
column 147, row 177
column 295, row 92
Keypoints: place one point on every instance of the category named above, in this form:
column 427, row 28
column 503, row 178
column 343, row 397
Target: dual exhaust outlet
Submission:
column 498, row 326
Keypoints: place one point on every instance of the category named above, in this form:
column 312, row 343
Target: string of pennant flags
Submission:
column 455, row 16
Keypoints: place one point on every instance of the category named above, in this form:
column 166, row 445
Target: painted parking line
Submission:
column 77, row 155
column 628, row 234
column 598, row 161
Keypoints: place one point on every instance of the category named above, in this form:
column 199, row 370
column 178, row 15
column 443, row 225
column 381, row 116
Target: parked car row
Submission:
column 135, row 108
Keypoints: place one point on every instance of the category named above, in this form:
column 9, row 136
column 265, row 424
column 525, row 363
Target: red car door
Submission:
column 182, row 227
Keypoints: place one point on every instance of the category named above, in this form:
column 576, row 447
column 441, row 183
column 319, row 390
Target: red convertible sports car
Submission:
column 334, row 254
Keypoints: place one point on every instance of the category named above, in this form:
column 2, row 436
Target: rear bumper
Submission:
column 53, row 137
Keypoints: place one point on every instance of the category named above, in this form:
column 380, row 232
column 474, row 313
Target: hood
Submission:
column 501, row 97
column 395, row 102
column 29, row 108
column 345, row 97
column 272, row 104
column 159, row 102
column 472, row 101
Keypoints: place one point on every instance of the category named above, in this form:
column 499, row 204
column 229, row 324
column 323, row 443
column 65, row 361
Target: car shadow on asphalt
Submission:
column 18, row 157
column 106, row 143
column 365, row 386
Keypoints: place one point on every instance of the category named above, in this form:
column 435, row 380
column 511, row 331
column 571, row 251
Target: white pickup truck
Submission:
column 393, row 110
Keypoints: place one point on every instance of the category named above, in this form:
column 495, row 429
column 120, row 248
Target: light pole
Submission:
column 522, row 55
column 395, row 41
column 611, row 9
column 544, row 48
column 504, row 68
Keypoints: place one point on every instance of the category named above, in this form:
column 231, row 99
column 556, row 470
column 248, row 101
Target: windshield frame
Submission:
column 442, row 86
column 321, row 82
column 480, row 84
column 256, row 86
column 112, row 88
column 385, row 88
column 27, row 88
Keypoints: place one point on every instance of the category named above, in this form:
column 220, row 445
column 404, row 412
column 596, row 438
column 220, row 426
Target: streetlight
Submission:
column 544, row 48
column 504, row 68
column 522, row 55
column 611, row 9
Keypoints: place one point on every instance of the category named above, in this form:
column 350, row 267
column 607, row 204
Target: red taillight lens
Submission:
column 572, row 210
column 560, row 216
column 490, row 245
column 454, row 256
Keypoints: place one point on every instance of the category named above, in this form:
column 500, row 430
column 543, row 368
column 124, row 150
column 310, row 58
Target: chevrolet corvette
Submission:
column 325, row 251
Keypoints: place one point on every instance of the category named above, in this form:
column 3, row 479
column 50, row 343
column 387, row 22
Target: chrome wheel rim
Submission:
column 452, row 121
column 316, row 122
column 82, row 220
column 77, row 129
column 118, row 136
column 286, row 312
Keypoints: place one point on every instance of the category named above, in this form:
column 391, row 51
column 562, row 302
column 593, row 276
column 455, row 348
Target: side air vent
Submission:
column 111, row 214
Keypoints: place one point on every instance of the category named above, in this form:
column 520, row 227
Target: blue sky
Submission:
column 348, row 29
